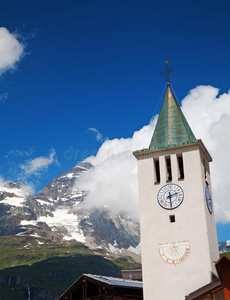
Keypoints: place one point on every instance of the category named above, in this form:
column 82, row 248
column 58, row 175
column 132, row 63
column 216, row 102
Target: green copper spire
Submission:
column 172, row 128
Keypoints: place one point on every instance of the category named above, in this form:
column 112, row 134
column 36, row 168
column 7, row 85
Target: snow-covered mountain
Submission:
column 58, row 213
column 224, row 246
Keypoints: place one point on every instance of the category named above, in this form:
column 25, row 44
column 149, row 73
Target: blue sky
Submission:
column 96, row 64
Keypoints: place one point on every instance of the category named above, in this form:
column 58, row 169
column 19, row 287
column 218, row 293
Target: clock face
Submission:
column 170, row 196
column 208, row 199
column 174, row 253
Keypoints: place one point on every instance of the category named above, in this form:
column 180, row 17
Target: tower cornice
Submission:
column 147, row 153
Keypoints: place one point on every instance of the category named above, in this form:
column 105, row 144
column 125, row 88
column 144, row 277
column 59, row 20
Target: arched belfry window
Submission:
column 157, row 170
column 180, row 166
column 168, row 168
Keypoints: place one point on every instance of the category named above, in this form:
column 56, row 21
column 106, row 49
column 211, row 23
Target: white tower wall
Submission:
column 193, row 224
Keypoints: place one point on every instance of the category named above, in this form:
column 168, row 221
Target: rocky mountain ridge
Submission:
column 58, row 213
column 224, row 246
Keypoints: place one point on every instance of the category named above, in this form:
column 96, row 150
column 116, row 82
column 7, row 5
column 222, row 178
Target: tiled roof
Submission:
column 172, row 128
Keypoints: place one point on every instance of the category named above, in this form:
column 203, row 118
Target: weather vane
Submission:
column 167, row 72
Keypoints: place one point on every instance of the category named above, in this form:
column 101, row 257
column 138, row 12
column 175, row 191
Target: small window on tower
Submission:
column 168, row 169
column 180, row 166
column 157, row 170
column 172, row 219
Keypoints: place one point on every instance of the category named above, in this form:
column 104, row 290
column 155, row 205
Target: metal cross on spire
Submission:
column 167, row 71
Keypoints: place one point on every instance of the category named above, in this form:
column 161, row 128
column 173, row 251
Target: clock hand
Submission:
column 170, row 196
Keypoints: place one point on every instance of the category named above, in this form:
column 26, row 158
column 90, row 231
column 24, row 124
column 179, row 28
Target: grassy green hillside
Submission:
column 16, row 251
column 50, row 268
column 52, row 276
column 226, row 253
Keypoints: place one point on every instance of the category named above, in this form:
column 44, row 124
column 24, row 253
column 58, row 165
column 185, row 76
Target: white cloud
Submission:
column 20, row 152
column 11, row 50
column 99, row 136
column 38, row 164
column 28, row 189
column 209, row 117
column 113, row 181
column 3, row 97
column 1, row 182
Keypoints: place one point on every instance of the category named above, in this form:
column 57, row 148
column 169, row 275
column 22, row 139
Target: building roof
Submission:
column 172, row 128
column 203, row 291
column 223, row 270
column 110, row 283
column 119, row 282
column 209, row 288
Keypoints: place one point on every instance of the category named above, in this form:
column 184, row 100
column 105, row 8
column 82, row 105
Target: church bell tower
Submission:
column 178, row 229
